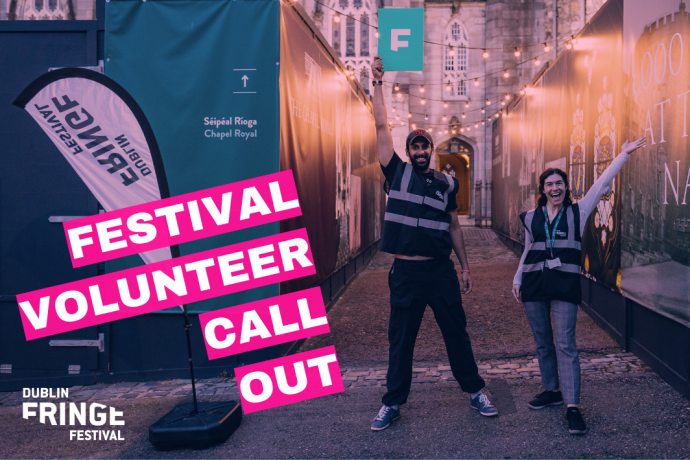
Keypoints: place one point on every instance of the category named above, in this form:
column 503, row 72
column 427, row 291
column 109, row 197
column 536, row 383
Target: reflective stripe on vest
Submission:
column 404, row 195
column 570, row 243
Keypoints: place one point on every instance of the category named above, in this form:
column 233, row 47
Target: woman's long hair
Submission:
column 541, row 201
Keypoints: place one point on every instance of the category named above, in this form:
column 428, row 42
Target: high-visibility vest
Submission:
column 416, row 222
column 567, row 247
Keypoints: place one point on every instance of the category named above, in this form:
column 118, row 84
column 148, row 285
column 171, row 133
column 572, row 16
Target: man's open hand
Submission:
column 466, row 283
column 377, row 68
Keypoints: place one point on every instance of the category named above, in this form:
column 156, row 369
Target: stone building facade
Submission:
column 462, row 91
column 48, row 9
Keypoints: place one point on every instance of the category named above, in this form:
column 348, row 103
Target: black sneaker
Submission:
column 576, row 423
column 547, row 398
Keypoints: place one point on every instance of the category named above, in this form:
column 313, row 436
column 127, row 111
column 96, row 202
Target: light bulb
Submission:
column 568, row 45
column 336, row 18
column 393, row 110
column 462, row 130
column 485, row 54
column 488, row 102
column 414, row 126
column 507, row 97
column 463, row 115
column 503, row 103
column 476, row 82
column 426, row 117
column 399, row 95
column 506, row 74
column 476, row 125
column 537, row 61
column 397, row 87
column 547, row 48
column 377, row 35
column 522, row 91
column 483, row 110
column 453, row 131
column 482, row 122
column 423, row 101
column 409, row 115
column 444, row 118
column 517, row 52
column 445, row 105
column 445, row 131
column 421, row 89
column 574, row 41
column 448, row 87
column 467, row 104
column 497, row 115
column 430, row 129
column 451, row 52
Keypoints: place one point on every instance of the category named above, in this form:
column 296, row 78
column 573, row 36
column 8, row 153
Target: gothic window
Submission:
column 455, row 62
column 336, row 37
column 343, row 4
column 364, row 35
column 350, row 37
column 44, row 9
column 364, row 79
column 357, row 4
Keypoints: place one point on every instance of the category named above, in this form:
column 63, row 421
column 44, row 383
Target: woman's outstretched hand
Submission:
column 630, row 147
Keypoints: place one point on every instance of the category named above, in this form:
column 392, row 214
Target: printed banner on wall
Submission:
column 656, row 217
column 103, row 134
column 328, row 140
column 212, row 103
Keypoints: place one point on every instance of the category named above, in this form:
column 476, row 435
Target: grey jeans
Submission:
column 561, row 359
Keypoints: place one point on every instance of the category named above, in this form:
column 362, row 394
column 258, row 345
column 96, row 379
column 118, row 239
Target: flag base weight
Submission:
column 183, row 428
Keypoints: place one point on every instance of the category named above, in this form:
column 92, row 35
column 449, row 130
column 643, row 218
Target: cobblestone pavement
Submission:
column 353, row 377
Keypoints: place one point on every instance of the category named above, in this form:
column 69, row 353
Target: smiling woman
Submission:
column 548, row 280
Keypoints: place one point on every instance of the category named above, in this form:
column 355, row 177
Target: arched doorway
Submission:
column 455, row 158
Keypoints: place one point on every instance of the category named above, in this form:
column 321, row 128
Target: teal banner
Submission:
column 401, row 41
column 205, row 73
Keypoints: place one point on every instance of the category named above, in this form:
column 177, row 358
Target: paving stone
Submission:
column 350, row 378
column 484, row 366
column 379, row 371
column 432, row 374
column 375, row 377
column 424, row 380
column 499, row 371
column 513, row 376
column 420, row 369
column 445, row 368
column 603, row 360
column 129, row 395
column 358, row 373
column 367, row 383
column 509, row 366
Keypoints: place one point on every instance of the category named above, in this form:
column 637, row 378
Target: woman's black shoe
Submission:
column 547, row 398
column 576, row 423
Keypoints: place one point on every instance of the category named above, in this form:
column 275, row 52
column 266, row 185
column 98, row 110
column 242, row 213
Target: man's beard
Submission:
column 420, row 167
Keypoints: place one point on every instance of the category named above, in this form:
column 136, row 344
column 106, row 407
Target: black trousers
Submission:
column 414, row 285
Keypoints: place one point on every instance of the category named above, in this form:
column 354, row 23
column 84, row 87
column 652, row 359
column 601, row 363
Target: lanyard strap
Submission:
column 551, row 238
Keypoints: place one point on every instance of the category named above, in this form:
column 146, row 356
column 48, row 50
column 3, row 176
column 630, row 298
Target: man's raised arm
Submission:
column 384, row 138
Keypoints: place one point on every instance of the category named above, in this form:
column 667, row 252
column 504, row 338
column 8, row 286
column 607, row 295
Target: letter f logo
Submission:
column 395, row 43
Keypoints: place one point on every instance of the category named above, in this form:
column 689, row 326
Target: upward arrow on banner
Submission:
column 244, row 79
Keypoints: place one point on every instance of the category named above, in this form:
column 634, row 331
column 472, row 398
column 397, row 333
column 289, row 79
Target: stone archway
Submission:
column 455, row 158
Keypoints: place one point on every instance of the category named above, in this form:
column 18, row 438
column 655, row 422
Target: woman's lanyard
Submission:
column 551, row 238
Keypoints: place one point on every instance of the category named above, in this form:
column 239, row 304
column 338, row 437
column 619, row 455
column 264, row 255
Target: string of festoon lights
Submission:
column 461, row 126
column 485, row 50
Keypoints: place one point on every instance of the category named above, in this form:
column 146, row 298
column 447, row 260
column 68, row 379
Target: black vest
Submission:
column 416, row 222
column 566, row 247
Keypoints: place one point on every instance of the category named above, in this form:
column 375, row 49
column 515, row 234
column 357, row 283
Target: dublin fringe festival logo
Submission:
column 577, row 154
column 604, row 148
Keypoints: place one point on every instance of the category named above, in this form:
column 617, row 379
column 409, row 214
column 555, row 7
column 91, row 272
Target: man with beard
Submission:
column 421, row 228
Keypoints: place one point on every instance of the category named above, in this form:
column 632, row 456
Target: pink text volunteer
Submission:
column 182, row 218
column 165, row 284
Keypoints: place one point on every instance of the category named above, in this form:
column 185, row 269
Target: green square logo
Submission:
column 401, row 40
